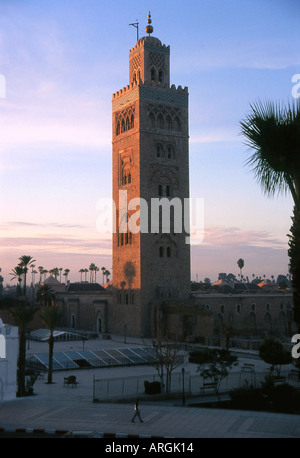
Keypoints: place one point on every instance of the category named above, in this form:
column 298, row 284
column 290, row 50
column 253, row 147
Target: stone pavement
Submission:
column 58, row 408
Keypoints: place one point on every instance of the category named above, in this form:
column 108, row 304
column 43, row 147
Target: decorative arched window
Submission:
column 170, row 152
column 123, row 126
column 161, row 123
column 168, row 191
column 169, row 123
column 168, row 252
column 177, row 124
column 134, row 77
column 159, row 151
column 161, row 251
column 153, row 74
column 126, row 298
column 132, row 122
column 151, row 120
column 222, row 308
column 238, row 308
column 118, row 128
column 160, row 76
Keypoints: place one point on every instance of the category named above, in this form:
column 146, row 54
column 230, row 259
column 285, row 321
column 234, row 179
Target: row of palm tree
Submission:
column 93, row 269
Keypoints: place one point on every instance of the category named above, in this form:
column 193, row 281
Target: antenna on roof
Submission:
column 136, row 25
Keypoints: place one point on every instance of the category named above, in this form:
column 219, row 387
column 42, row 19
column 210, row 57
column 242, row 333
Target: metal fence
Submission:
column 192, row 385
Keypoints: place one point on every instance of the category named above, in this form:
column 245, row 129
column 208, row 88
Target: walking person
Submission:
column 137, row 412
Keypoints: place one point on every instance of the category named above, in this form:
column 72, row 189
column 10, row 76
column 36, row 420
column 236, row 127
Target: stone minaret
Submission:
column 150, row 162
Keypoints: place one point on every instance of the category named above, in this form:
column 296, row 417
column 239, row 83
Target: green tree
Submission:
column 22, row 313
column 51, row 317
column 213, row 364
column 272, row 132
column 25, row 263
column 272, row 352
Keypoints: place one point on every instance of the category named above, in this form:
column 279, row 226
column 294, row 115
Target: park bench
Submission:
column 248, row 367
column 71, row 380
column 278, row 379
column 209, row 386
column 294, row 373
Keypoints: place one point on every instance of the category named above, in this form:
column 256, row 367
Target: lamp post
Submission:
column 183, row 395
column 124, row 333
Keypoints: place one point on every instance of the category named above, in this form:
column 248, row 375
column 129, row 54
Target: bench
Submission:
column 209, row 386
column 71, row 380
column 248, row 368
column 295, row 373
column 278, row 380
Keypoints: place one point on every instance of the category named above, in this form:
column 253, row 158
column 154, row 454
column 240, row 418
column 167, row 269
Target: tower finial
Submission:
column 149, row 29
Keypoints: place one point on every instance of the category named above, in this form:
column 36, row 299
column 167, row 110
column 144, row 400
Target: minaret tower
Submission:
column 151, row 163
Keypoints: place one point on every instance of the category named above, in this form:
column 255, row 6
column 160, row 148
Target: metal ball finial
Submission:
column 149, row 29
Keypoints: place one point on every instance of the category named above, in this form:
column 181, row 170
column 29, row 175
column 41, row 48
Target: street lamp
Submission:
column 183, row 395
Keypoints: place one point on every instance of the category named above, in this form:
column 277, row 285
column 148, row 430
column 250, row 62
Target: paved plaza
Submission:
column 56, row 407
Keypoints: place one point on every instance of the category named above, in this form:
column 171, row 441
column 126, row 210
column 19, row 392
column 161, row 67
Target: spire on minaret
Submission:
column 149, row 28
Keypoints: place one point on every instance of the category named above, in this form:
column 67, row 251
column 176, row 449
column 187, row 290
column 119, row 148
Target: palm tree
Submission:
column 51, row 317
column 81, row 271
column 45, row 295
column 96, row 269
column 66, row 273
column 107, row 274
column 241, row 264
column 17, row 272
column 103, row 273
column 22, row 313
column 40, row 269
column 85, row 273
column 273, row 134
column 91, row 269
column 25, row 262
column 60, row 271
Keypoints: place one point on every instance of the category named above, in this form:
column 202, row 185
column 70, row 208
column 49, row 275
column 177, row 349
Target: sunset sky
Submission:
column 63, row 60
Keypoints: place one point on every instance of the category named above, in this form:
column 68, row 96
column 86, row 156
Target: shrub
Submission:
column 248, row 399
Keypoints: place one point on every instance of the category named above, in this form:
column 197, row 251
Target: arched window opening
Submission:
column 168, row 252
column 161, row 122
column 132, row 122
column 129, row 178
column 127, row 123
column 160, row 76
column 152, row 73
column 168, row 191
column 222, row 308
column 177, row 124
column 151, row 121
column 134, row 77
column 126, row 298
column 118, row 128
column 161, row 251
column 169, row 123
column 160, row 190
column 158, row 151
column 123, row 126
column 170, row 152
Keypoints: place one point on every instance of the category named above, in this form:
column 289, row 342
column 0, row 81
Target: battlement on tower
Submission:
column 149, row 42
column 149, row 84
